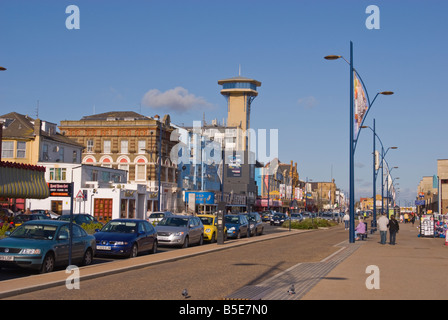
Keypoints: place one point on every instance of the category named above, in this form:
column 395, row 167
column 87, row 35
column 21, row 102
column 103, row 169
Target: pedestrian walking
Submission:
column 346, row 220
column 382, row 226
column 393, row 229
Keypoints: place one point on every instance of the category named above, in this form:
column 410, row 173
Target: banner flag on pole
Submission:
column 360, row 103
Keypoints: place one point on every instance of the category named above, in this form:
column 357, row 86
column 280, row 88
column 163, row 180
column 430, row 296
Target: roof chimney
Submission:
column 37, row 127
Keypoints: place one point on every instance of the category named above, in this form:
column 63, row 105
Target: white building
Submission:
column 99, row 191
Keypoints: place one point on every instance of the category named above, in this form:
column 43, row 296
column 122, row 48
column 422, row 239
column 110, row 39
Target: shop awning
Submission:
column 22, row 181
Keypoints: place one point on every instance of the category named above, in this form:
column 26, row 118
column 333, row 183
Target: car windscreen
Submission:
column 33, row 231
column 156, row 215
column 206, row 220
column 174, row 222
column 232, row 219
column 120, row 226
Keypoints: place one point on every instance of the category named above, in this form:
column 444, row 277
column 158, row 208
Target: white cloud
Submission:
column 308, row 102
column 177, row 99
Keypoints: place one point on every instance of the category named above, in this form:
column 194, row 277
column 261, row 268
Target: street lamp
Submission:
column 352, row 143
column 375, row 171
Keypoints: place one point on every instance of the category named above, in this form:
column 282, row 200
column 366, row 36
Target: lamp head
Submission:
column 332, row 57
column 2, row 69
column 387, row 93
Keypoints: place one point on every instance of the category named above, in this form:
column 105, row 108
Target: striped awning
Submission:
column 22, row 181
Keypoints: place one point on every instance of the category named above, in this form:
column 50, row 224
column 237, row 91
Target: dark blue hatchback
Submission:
column 126, row 237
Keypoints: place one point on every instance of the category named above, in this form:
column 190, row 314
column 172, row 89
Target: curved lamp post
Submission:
column 353, row 141
column 375, row 171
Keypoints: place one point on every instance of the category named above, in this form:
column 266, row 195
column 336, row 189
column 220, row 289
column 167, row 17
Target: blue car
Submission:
column 43, row 244
column 126, row 237
column 237, row 225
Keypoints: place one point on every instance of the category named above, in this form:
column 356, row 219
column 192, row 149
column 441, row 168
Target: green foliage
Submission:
column 310, row 224
column 91, row 227
column 3, row 229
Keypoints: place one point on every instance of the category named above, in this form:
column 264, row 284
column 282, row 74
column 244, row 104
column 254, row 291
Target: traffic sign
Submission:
column 80, row 195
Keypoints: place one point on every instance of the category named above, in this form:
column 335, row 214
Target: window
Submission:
column 140, row 172
column 61, row 154
column 21, row 149
column 7, row 149
column 141, row 146
column 45, row 152
column 94, row 175
column 90, row 145
column 106, row 146
column 124, row 146
column 58, row 174
column 105, row 176
column 75, row 156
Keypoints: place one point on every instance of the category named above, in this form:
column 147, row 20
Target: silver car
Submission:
column 155, row 217
column 178, row 230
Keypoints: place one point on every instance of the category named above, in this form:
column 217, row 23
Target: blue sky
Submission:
column 127, row 53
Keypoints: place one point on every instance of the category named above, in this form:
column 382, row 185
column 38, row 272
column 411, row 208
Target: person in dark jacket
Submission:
column 393, row 229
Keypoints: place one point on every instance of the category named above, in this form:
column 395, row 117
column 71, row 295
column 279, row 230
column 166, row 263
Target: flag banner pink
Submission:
column 360, row 103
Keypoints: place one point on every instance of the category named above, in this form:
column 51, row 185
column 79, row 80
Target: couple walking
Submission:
column 383, row 224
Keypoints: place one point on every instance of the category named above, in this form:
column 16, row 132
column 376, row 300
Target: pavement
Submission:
column 413, row 269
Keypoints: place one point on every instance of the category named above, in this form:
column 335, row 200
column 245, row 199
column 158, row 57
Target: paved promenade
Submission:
column 414, row 269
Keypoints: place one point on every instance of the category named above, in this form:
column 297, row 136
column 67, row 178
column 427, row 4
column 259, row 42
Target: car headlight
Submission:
column 121, row 243
column 208, row 230
column 177, row 234
column 232, row 229
column 30, row 251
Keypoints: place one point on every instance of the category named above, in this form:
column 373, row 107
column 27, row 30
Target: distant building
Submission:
column 99, row 191
column 132, row 142
column 29, row 141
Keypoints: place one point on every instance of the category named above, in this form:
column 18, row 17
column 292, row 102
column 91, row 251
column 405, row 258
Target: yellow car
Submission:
column 210, row 223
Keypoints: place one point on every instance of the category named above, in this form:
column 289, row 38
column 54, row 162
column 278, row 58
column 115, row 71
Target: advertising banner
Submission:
column 360, row 103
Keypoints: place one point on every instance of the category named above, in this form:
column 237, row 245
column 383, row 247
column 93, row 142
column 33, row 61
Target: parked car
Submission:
column 296, row 217
column 50, row 214
column 278, row 219
column 126, row 237
column 210, row 223
column 7, row 212
column 22, row 218
column 80, row 218
column 237, row 225
column 266, row 215
column 308, row 215
column 328, row 215
column 44, row 244
column 255, row 223
column 178, row 230
column 155, row 217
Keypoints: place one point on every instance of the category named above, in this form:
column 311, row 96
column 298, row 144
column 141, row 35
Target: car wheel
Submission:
column 48, row 264
column 134, row 251
column 88, row 257
column 185, row 245
column 238, row 235
column 154, row 247
column 201, row 241
column 213, row 238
